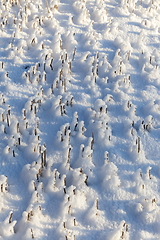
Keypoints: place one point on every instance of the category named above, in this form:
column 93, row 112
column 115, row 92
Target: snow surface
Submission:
column 79, row 119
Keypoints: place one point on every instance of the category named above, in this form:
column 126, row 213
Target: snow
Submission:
column 79, row 119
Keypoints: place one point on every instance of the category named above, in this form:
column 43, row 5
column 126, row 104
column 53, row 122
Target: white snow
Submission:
column 79, row 119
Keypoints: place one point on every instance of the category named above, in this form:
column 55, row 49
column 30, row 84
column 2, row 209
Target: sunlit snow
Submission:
column 79, row 119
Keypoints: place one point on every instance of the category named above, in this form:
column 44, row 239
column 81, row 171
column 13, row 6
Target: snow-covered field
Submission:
column 80, row 119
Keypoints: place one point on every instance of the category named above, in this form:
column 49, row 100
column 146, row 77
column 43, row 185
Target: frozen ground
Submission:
column 80, row 119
